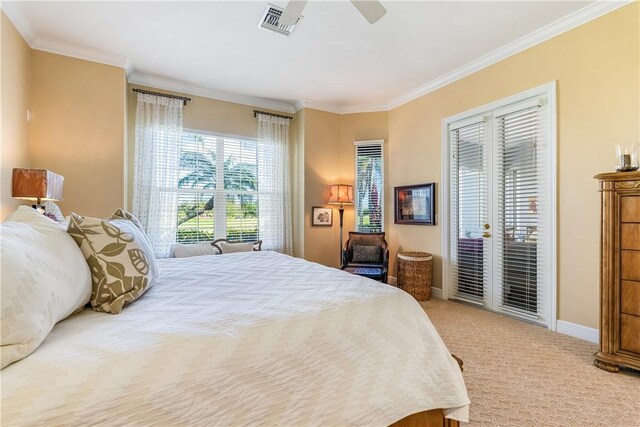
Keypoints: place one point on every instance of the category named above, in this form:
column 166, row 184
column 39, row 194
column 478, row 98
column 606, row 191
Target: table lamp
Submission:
column 341, row 194
column 37, row 185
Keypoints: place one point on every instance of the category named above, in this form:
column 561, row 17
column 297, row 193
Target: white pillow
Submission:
column 44, row 279
column 53, row 210
column 228, row 248
column 203, row 248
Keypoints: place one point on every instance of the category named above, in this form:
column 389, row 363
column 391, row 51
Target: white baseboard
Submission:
column 435, row 292
column 578, row 331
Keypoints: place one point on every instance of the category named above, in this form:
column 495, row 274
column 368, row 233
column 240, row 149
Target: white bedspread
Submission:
column 241, row 339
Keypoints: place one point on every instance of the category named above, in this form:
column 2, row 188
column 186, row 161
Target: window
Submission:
column 218, row 189
column 369, row 197
column 192, row 187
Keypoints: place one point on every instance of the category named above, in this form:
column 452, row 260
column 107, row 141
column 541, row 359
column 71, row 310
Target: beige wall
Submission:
column 329, row 158
column 78, row 130
column 325, row 158
column 597, row 69
column 15, row 93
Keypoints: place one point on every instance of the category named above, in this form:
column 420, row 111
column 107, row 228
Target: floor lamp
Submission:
column 341, row 195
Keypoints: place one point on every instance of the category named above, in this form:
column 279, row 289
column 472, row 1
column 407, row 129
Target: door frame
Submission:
column 548, row 90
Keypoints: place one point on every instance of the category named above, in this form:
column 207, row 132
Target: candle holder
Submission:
column 627, row 157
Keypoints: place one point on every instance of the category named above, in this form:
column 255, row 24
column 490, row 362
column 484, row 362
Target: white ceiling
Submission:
column 335, row 58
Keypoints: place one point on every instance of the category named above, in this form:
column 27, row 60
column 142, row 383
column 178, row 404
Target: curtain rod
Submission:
column 148, row 92
column 256, row 112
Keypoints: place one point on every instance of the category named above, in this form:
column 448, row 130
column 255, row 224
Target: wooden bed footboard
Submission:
column 432, row 418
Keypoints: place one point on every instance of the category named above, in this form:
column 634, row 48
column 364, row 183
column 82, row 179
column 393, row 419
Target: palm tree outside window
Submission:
column 217, row 189
column 369, row 197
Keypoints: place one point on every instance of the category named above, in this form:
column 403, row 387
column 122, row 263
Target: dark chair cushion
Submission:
column 365, row 253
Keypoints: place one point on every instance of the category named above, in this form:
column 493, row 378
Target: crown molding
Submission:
column 339, row 108
column 19, row 21
column 573, row 20
column 92, row 55
column 46, row 44
column 186, row 88
column 317, row 105
column 364, row 108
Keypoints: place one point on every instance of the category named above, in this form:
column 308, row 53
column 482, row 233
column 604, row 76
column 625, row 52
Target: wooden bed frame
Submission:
column 432, row 418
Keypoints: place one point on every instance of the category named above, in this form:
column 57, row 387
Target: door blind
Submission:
column 469, row 209
column 522, row 210
column 369, row 197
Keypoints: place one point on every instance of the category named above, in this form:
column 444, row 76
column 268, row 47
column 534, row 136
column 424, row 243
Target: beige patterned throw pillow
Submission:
column 144, row 239
column 122, row 214
column 122, row 264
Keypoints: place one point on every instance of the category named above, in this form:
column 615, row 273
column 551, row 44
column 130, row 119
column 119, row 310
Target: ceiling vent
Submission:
column 270, row 21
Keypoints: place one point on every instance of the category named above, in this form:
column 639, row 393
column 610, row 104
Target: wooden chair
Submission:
column 236, row 246
column 377, row 268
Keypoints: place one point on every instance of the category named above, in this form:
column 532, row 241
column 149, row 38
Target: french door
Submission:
column 501, row 228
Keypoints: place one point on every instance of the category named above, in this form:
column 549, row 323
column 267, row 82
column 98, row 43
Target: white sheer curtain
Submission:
column 274, row 204
column 156, row 166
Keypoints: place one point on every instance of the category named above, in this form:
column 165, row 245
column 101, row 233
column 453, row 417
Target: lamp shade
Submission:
column 341, row 194
column 36, row 184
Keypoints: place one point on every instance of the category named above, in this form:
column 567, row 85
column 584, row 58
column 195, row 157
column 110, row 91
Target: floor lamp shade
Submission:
column 36, row 184
column 341, row 194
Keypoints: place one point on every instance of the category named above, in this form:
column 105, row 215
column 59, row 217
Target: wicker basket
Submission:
column 415, row 270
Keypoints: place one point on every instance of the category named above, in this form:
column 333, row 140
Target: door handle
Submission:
column 487, row 226
column 486, row 234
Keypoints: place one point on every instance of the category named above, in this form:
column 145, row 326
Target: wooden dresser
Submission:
column 619, row 271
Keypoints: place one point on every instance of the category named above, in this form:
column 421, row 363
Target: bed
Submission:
column 254, row 338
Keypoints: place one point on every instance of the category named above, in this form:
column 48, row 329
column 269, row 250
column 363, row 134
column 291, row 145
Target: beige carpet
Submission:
column 519, row 374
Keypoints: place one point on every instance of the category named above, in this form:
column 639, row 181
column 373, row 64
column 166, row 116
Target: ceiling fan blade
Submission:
column 292, row 12
column 372, row 10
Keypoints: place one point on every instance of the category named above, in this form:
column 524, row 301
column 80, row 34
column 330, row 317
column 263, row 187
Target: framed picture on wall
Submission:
column 415, row 204
column 321, row 216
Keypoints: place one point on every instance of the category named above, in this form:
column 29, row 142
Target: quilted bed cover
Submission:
column 241, row 339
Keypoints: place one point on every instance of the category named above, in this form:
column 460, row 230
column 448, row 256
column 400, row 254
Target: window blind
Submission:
column 218, row 189
column 197, row 181
column 241, row 189
column 469, row 208
column 369, row 194
column 522, row 205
